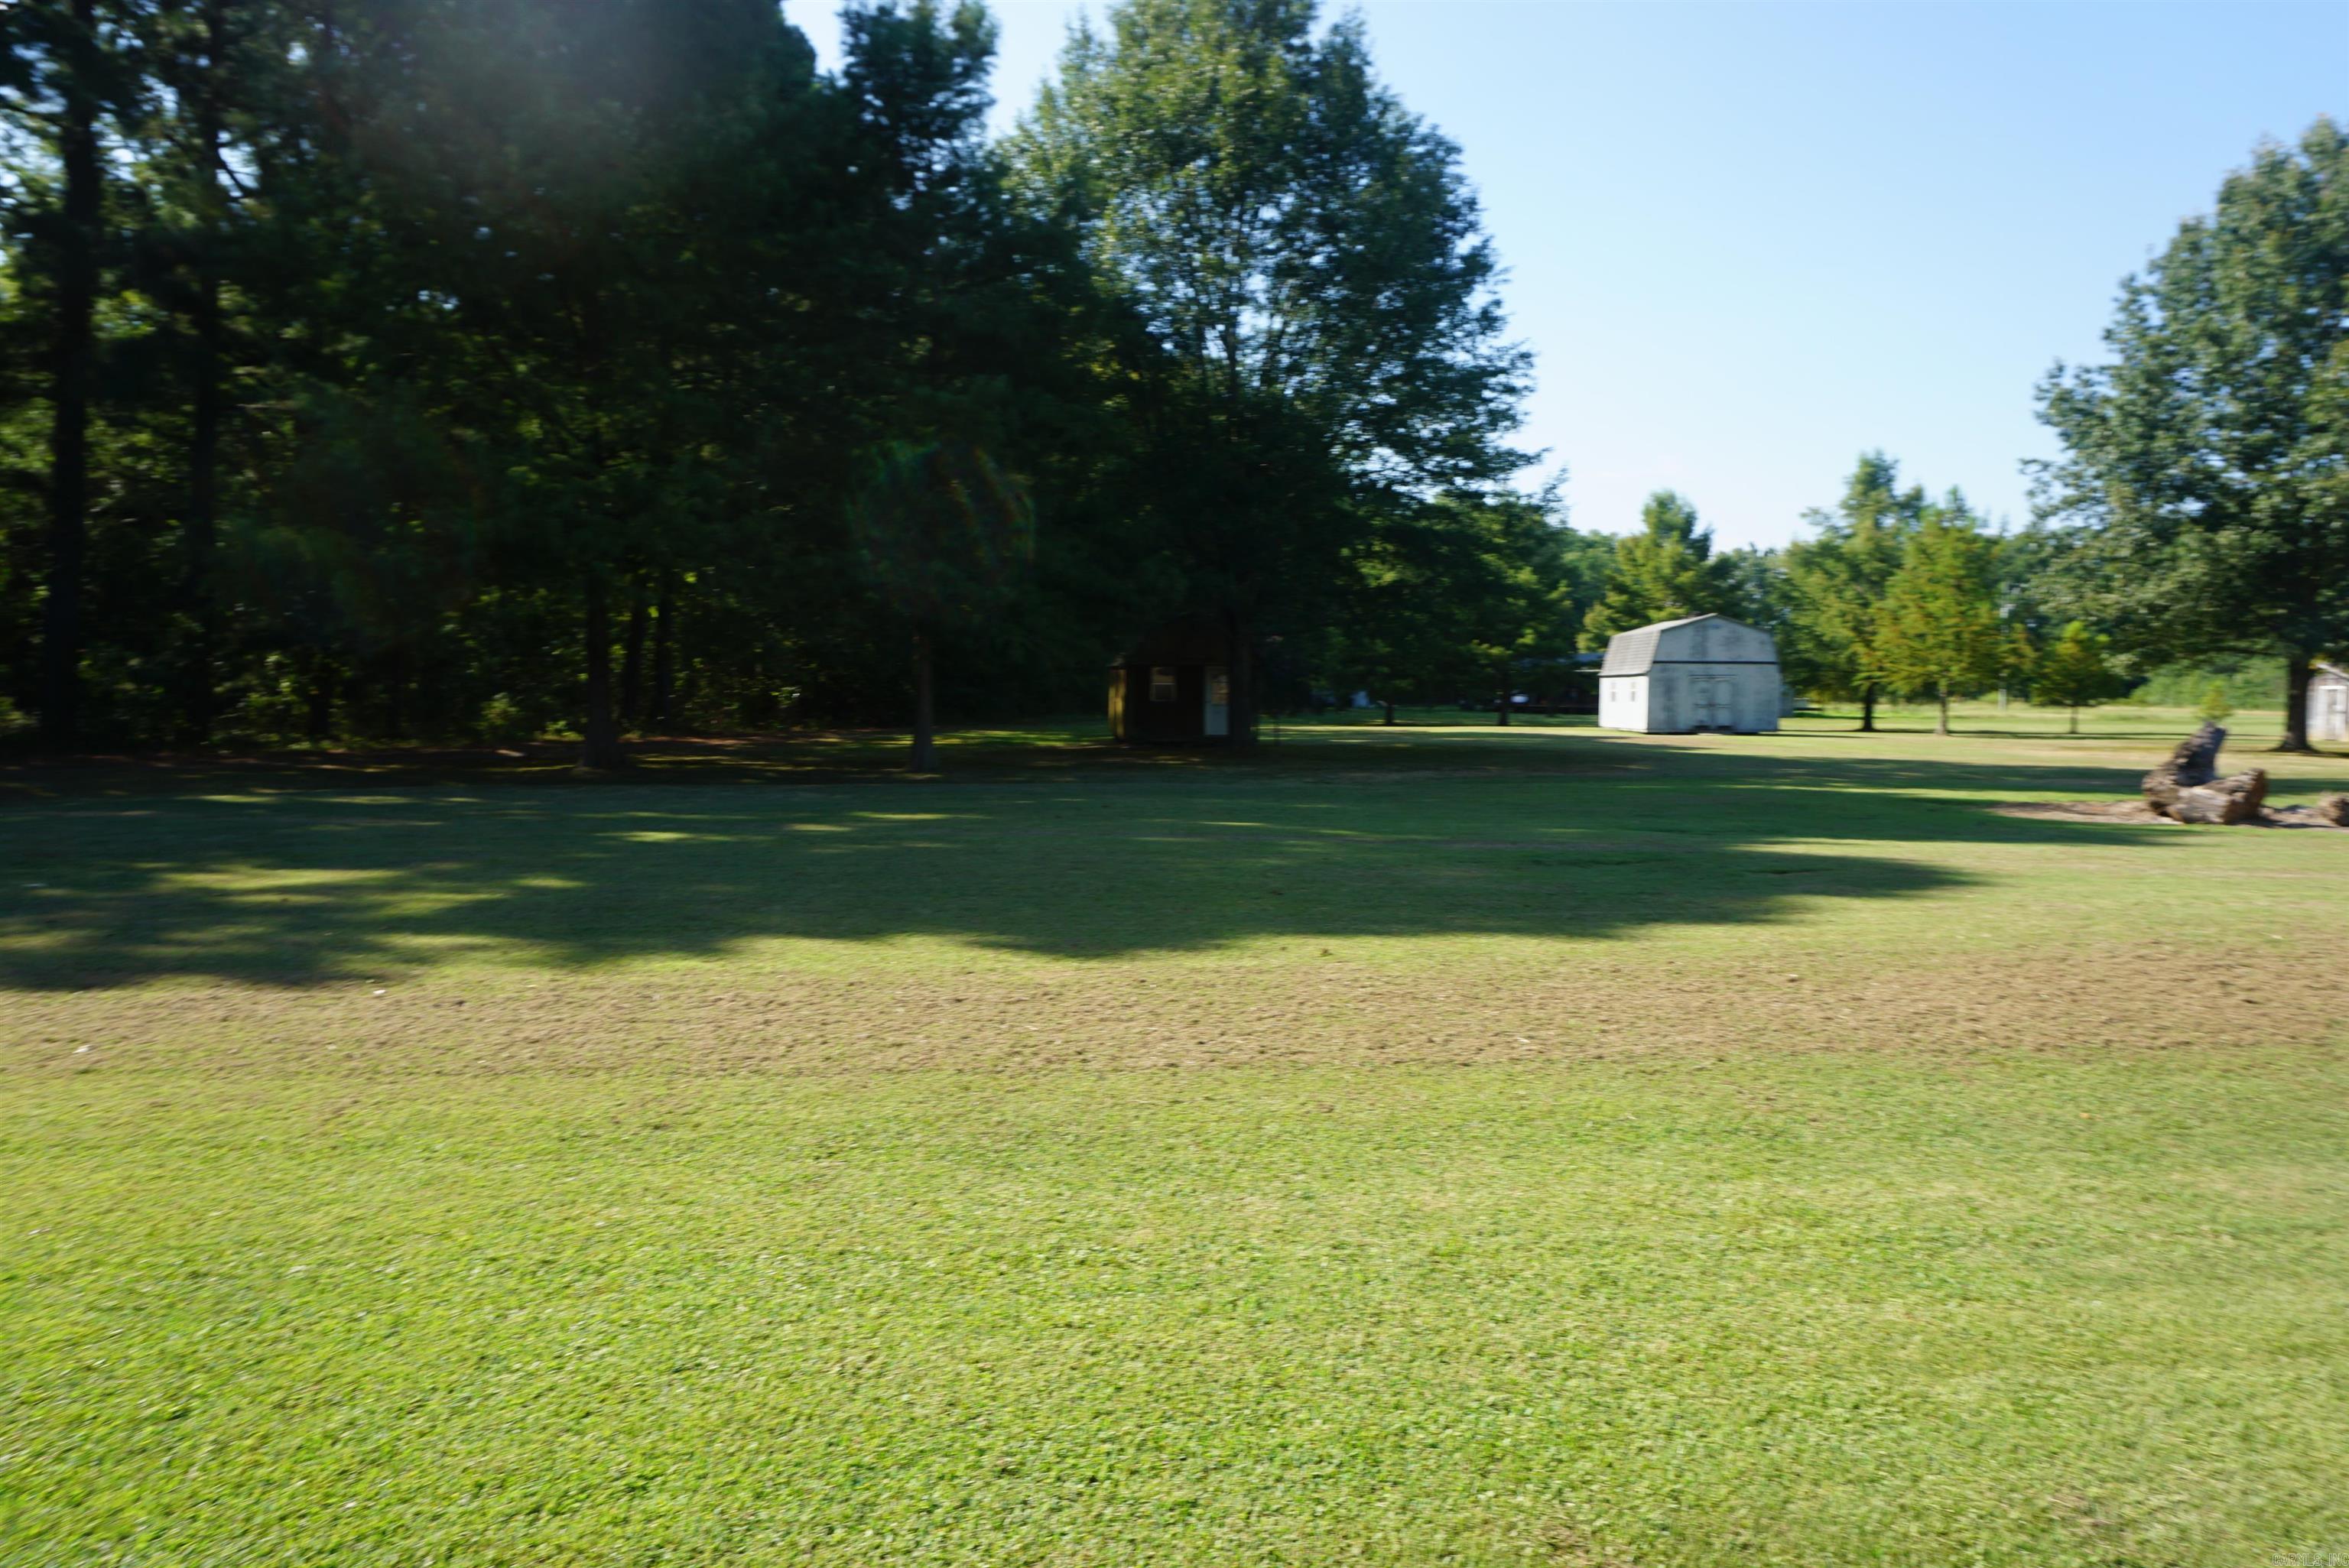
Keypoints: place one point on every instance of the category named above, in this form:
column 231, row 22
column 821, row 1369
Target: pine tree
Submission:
column 68, row 75
column 1664, row 573
column 1936, row 633
column 2074, row 672
column 1836, row 583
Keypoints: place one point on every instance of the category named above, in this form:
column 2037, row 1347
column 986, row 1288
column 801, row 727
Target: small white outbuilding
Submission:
column 2328, row 703
column 1707, row 672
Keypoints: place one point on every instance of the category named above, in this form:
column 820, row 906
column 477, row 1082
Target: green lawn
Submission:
column 1447, row 1144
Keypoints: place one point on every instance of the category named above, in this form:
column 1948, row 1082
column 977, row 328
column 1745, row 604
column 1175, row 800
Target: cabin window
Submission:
column 1161, row 682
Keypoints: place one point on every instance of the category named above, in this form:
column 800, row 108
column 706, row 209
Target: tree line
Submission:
column 1894, row 594
column 489, row 369
column 446, row 367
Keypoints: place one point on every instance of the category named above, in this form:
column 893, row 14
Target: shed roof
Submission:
column 1633, row 652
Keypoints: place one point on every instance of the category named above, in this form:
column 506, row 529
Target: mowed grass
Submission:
column 1451, row 1145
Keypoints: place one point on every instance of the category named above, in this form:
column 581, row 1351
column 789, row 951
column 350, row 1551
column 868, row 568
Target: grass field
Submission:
column 1446, row 1145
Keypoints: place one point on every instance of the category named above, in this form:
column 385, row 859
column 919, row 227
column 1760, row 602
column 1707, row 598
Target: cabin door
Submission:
column 1216, row 711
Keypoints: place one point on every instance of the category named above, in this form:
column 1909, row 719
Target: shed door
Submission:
column 1716, row 703
column 1215, row 710
column 2332, row 713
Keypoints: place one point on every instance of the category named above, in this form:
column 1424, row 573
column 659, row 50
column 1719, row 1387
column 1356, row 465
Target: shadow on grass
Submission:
column 296, row 879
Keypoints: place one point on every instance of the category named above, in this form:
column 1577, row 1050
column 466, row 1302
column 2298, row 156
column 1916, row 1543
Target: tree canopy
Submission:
column 1664, row 571
column 1937, row 631
column 1307, row 255
column 2206, row 465
column 1837, row 579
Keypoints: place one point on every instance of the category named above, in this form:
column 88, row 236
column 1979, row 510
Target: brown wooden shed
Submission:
column 1172, row 688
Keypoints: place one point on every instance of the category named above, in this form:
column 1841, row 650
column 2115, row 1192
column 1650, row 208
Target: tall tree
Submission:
column 947, row 537
column 2074, row 671
column 1664, row 571
column 64, row 71
column 2203, row 464
column 1836, row 580
column 202, row 55
column 558, row 178
column 1453, row 598
column 1307, row 257
column 1937, row 632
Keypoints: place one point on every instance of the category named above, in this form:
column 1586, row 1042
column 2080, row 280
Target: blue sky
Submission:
column 1746, row 242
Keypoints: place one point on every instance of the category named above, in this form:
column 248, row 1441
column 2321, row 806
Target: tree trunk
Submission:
column 2224, row 801
column 926, row 753
column 1501, row 708
column 600, row 740
column 1866, row 709
column 2075, row 720
column 1941, row 723
column 1390, row 718
column 199, row 600
column 632, row 657
column 318, row 703
column 664, row 652
column 1240, row 715
column 2295, row 703
column 395, row 697
column 200, row 603
column 73, row 355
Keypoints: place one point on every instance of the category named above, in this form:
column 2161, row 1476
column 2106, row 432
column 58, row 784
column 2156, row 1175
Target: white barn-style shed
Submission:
column 2328, row 703
column 1707, row 672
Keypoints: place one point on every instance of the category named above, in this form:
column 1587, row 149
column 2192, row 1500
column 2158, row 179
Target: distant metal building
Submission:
column 1174, row 687
column 1675, row 678
column 2328, row 703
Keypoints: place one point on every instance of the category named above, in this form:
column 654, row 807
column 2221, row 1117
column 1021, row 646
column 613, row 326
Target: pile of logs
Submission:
column 2187, row 788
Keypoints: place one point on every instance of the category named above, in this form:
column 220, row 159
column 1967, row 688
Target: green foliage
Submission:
column 1664, row 573
column 1453, row 599
column 1837, row 581
column 943, row 532
column 539, row 352
column 2214, row 706
column 1307, row 257
column 2204, row 465
column 1284, row 225
column 2074, row 671
column 1936, row 633
column 2247, row 681
column 504, row 719
column 2018, row 657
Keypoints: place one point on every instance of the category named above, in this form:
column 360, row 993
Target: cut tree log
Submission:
column 2226, row 801
column 2334, row 808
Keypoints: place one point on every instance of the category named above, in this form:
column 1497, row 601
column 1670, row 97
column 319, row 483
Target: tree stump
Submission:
column 2334, row 808
column 2193, row 762
column 2187, row 788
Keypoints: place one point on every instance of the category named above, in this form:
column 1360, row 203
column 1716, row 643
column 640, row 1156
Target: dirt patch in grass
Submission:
column 2138, row 811
column 2157, row 996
